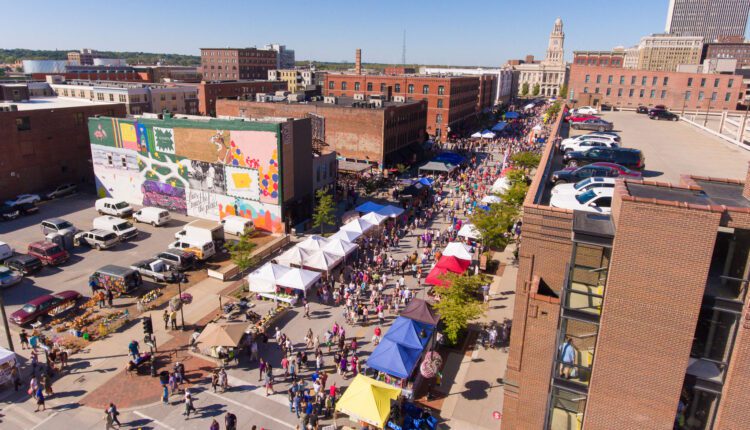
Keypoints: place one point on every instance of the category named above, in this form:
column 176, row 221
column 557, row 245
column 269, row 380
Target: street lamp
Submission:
column 5, row 324
column 180, row 278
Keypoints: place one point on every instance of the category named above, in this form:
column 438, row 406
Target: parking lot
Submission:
column 73, row 275
column 677, row 148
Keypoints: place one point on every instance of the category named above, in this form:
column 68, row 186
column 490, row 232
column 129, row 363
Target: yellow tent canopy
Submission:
column 228, row 335
column 368, row 400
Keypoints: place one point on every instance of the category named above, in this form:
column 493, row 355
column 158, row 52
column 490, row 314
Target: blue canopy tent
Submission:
column 408, row 332
column 369, row 207
column 394, row 359
column 426, row 181
column 450, row 157
column 484, row 207
column 512, row 115
column 500, row 126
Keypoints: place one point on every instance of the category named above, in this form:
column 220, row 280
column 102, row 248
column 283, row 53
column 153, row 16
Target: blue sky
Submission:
column 457, row 32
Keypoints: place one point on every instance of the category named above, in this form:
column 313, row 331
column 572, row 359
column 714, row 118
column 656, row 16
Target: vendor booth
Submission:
column 313, row 243
column 322, row 261
column 470, row 232
column 447, row 264
column 369, row 401
column 345, row 235
column 374, row 218
column 300, row 280
column 7, row 362
column 391, row 211
column 458, row 250
column 340, row 247
column 490, row 199
column 368, row 207
column 216, row 339
column 358, row 226
column 512, row 115
column 263, row 280
column 501, row 185
column 394, row 359
column 410, row 333
column 421, row 311
column 294, row 256
column 437, row 166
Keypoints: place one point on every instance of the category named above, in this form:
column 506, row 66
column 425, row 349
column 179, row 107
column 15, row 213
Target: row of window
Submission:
column 234, row 53
column 662, row 95
column 655, row 80
column 594, row 61
column 396, row 87
column 24, row 123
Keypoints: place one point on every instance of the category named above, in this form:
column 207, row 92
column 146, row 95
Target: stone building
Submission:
column 551, row 73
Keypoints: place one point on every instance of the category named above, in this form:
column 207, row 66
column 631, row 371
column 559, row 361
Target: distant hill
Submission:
column 340, row 66
column 10, row 56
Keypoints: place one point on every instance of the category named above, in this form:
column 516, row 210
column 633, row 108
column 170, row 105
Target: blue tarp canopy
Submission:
column 500, row 126
column 369, row 207
column 484, row 207
column 426, row 181
column 406, row 332
column 394, row 359
column 450, row 157
column 512, row 115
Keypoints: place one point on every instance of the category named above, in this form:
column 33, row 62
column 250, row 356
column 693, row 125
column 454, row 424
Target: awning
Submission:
column 437, row 166
column 353, row 166
column 409, row 333
column 374, row 218
column 458, row 250
column 299, row 279
column 500, row 126
column 313, row 243
column 294, row 257
column 340, row 247
column 369, row 207
column 358, row 225
column 368, row 400
column 469, row 231
column 323, row 261
column 391, row 211
column 420, row 310
column 227, row 335
column 345, row 235
column 263, row 280
column 394, row 359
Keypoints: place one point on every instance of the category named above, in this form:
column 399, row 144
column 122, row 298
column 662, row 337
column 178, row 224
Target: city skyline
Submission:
column 527, row 26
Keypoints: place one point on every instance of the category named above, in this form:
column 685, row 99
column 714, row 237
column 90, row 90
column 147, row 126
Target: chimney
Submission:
column 358, row 62
column 529, row 59
column 746, row 190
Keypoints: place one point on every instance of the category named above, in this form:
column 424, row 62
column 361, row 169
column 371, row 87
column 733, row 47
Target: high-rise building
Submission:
column 224, row 64
column 284, row 57
column 708, row 19
column 549, row 74
column 664, row 52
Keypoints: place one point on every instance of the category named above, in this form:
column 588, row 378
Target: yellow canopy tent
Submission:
column 368, row 400
column 228, row 335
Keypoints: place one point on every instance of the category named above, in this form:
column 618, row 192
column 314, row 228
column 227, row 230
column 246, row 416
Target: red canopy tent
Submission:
column 444, row 265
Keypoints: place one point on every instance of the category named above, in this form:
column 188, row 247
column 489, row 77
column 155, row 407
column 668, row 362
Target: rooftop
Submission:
column 701, row 191
column 345, row 102
column 38, row 103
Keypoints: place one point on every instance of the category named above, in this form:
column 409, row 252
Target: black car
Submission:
column 24, row 263
column 8, row 212
column 576, row 174
column 628, row 157
column 592, row 124
column 641, row 109
column 663, row 114
column 606, row 107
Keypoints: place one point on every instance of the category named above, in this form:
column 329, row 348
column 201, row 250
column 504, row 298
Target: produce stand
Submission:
column 281, row 297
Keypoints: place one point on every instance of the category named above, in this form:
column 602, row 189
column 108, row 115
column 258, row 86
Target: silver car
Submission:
column 97, row 239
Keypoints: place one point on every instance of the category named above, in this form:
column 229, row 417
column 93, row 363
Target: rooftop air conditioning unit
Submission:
column 399, row 99
column 330, row 100
column 359, row 96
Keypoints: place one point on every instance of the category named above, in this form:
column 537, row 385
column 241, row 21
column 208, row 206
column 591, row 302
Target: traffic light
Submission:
column 148, row 327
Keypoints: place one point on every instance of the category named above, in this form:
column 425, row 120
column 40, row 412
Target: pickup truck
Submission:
column 155, row 269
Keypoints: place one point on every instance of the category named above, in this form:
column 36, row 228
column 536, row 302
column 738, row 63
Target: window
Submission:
column 632, row 80
column 609, row 79
column 609, row 91
column 653, row 94
column 397, row 88
column 622, row 80
column 585, row 90
column 700, row 95
column 441, row 90
column 343, row 86
column 727, row 97
column 641, row 93
column 716, row 83
column 598, row 79
column 596, row 90
column 410, row 89
column 331, row 85
column 23, row 123
column 653, row 81
column 687, row 95
column 730, row 83
column 111, row 97
column 79, row 118
column 566, row 407
column 425, row 89
column 356, row 86
column 663, row 94
column 121, row 97
column 369, row 86
column 703, row 82
column 619, row 92
column 438, row 119
column 665, row 81
column 630, row 93
column 163, row 97
column 587, row 79
column 713, row 96
column 440, row 103
column 690, row 82
column 643, row 81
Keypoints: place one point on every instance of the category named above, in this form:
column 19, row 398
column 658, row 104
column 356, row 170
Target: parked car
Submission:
column 24, row 198
column 580, row 118
column 46, row 305
column 62, row 191
column 622, row 171
column 584, row 185
column 607, row 107
column 178, row 259
column 641, row 109
column 116, row 278
column 237, row 225
column 575, row 174
column 586, row 110
column 202, row 248
column 628, row 157
column 153, row 216
column 663, row 114
column 156, row 269
column 598, row 200
column 97, row 239
column 606, row 134
column 6, row 251
column 11, row 212
column 110, row 206
column 597, row 124
column 9, row 277
column 123, row 229
column 49, row 252
column 24, row 263
column 587, row 143
column 59, row 226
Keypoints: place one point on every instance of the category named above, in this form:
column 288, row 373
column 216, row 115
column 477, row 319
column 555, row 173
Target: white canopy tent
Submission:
column 477, row 135
column 340, row 247
column 263, row 280
column 358, row 225
column 323, row 261
column 470, row 232
column 294, row 256
column 299, row 279
column 491, row 198
column 501, row 185
column 345, row 235
column 529, row 106
column 313, row 243
column 374, row 218
column 537, row 127
column 391, row 211
column 458, row 250
column 487, row 134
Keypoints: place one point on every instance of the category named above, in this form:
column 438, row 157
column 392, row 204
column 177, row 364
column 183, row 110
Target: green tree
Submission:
column 526, row 159
column 563, row 93
column 535, row 90
column 494, row 224
column 516, row 194
column 525, row 89
column 241, row 253
column 459, row 303
column 325, row 210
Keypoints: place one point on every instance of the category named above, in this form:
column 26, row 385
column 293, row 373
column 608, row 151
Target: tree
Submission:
column 535, row 91
column 525, row 89
column 563, row 93
column 325, row 210
column 526, row 159
column 241, row 253
column 459, row 303
column 495, row 223
column 516, row 194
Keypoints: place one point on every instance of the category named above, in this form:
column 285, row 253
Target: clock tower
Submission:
column 555, row 52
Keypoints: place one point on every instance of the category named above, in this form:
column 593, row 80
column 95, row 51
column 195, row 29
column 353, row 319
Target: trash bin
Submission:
column 68, row 240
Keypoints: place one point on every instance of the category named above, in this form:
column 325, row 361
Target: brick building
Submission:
column 614, row 58
column 593, row 85
column 209, row 92
column 452, row 101
column 740, row 51
column 99, row 73
column 237, row 63
column 383, row 135
column 652, row 300
column 84, row 57
column 45, row 143
column 399, row 70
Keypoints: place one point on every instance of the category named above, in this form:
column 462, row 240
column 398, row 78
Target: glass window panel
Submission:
column 567, row 410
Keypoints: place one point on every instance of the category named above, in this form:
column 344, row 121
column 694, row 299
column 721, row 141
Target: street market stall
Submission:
column 501, row 185
column 444, row 265
column 294, row 256
column 374, row 218
column 358, row 225
column 458, row 250
column 7, row 362
column 367, row 400
column 345, row 235
column 490, row 198
column 394, row 359
column 368, row 207
column 420, row 310
column 410, row 333
column 340, row 247
column 298, row 279
column 469, row 231
column 322, row 261
column 221, row 340
column 263, row 280
column 437, row 166
column 391, row 211
column 313, row 243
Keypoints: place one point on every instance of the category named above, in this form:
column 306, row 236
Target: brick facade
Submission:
column 237, row 63
column 210, row 92
column 593, row 85
column 614, row 59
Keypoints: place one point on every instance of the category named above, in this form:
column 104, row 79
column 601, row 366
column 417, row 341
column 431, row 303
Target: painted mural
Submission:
column 199, row 144
column 242, row 183
column 206, row 176
column 265, row 217
column 128, row 136
column 257, row 150
column 203, row 204
column 116, row 171
column 165, row 196
column 168, row 169
column 164, row 140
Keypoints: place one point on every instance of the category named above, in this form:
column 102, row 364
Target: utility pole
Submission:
column 5, row 324
column 403, row 51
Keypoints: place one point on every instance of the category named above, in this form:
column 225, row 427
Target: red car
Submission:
column 623, row 171
column 46, row 305
column 581, row 118
column 49, row 252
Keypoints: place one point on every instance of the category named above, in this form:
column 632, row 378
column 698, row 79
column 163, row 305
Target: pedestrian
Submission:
column 214, row 425
column 109, row 422
column 24, row 339
column 165, row 317
column 230, row 421
column 261, row 369
column 110, row 297
column 133, row 349
column 307, row 309
column 16, row 377
column 164, row 394
column 173, row 319
column 223, row 380
column 39, row 395
column 34, row 361
column 214, row 380
column 269, row 380
column 47, row 382
column 113, row 412
column 188, row 403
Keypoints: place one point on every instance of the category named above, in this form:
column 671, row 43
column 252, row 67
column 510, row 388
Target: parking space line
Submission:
column 153, row 420
column 236, row 403
column 44, row 420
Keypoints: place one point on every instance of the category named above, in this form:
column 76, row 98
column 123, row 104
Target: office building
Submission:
column 503, row 81
column 296, row 79
column 664, row 52
column 613, row 58
column 209, row 92
column 381, row 133
column 707, row 19
column 548, row 75
column 45, row 143
column 739, row 51
column 223, row 64
column 84, row 57
column 284, row 57
column 594, row 85
column 208, row 168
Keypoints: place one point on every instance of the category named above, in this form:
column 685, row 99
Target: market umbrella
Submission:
column 368, row 400
column 263, row 280
column 420, row 310
column 228, row 335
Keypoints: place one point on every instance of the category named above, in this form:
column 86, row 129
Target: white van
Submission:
column 123, row 229
column 114, row 207
column 237, row 225
column 203, row 249
column 153, row 216
column 5, row 251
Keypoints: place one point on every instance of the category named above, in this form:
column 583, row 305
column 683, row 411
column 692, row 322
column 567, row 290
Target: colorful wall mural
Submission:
column 197, row 171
